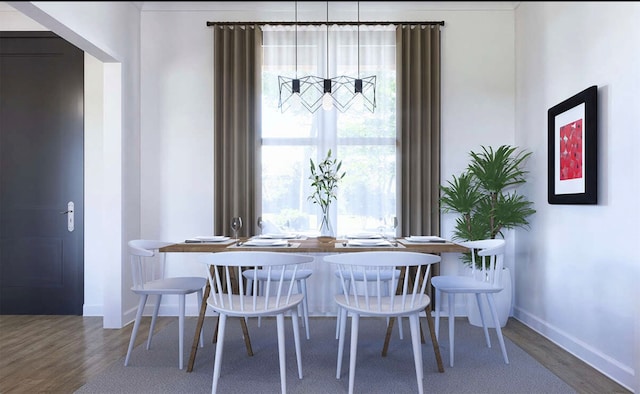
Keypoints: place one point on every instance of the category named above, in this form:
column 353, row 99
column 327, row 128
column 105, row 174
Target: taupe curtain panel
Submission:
column 237, row 126
column 418, row 125
column 237, row 60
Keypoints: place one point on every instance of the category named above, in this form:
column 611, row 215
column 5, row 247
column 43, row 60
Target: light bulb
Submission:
column 295, row 100
column 358, row 102
column 327, row 102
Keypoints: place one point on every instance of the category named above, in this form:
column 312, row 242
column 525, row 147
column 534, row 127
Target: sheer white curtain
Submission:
column 366, row 142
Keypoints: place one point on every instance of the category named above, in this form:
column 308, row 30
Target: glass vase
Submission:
column 326, row 230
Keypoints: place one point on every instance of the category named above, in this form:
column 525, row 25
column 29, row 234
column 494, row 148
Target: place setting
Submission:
column 367, row 239
column 422, row 239
column 256, row 242
column 217, row 239
column 269, row 240
column 367, row 242
column 279, row 236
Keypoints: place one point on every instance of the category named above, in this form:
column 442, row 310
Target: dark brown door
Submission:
column 41, row 172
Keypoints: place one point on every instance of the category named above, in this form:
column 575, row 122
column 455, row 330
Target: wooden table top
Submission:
column 312, row 245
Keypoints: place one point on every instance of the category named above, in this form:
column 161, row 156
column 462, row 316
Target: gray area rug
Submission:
column 477, row 369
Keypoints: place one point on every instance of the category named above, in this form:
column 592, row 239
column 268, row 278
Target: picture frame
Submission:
column 573, row 149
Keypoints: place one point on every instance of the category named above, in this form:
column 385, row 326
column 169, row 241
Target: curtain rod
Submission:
column 441, row 23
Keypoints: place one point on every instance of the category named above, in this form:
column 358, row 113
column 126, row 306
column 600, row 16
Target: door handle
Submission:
column 69, row 213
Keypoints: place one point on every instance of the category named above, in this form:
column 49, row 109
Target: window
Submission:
column 365, row 142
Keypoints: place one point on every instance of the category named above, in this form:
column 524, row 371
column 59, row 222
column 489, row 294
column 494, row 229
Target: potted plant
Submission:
column 324, row 182
column 485, row 198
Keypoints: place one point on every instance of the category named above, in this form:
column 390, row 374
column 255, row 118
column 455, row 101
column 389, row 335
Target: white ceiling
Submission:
column 288, row 6
column 310, row 11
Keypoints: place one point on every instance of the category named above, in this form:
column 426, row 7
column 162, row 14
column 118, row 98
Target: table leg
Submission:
column 243, row 323
column 387, row 337
column 196, row 338
column 392, row 320
column 245, row 334
column 432, row 330
column 434, row 341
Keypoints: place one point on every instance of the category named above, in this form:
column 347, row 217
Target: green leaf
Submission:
column 324, row 180
column 484, row 196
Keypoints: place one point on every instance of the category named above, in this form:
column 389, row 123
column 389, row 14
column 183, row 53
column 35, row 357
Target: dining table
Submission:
column 315, row 246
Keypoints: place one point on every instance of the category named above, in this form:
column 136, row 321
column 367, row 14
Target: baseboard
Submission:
column 92, row 310
column 191, row 310
column 618, row 372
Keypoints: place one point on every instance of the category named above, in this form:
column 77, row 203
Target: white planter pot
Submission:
column 502, row 301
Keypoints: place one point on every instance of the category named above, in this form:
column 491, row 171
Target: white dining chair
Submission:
column 486, row 282
column 368, row 298
column 300, row 278
column 230, row 298
column 389, row 279
column 149, row 280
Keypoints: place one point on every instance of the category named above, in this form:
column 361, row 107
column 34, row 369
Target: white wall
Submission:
column 93, row 185
column 478, row 94
column 501, row 72
column 578, row 269
column 480, row 49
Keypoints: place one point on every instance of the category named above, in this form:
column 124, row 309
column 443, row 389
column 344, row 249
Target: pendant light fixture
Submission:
column 315, row 92
column 308, row 89
column 365, row 87
column 327, row 99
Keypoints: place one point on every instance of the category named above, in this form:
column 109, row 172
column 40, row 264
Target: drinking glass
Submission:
column 236, row 225
column 391, row 235
column 260, row 223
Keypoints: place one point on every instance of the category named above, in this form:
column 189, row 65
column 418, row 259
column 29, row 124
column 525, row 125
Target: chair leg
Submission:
column 353, row 352
column 393, row 285
column 438, row 302
column 281, row 353
column 342, row 319
column 483, row 320
column 296, row 340
column 222, row 320
column 496, row 321
column 250, row 292
column 260, row 291
column 199, row 295
column 452, row 323
column 347, row 284
column 302, row 287
column 154, row 317
column 414, row 324
column 181, row 307
column 136, row 325
column 338, row 317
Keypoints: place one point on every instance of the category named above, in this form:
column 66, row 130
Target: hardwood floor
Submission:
column 576, row 373
column 59, row 354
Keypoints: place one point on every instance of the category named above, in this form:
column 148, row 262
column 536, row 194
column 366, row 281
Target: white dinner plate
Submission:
column 266, row 242
column 424, row 238
column 364, row 236
column 211, row 238
column 278, row 236
column 369, row 242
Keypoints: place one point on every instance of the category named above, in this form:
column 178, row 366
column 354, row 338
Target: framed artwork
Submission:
column 573, row 149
